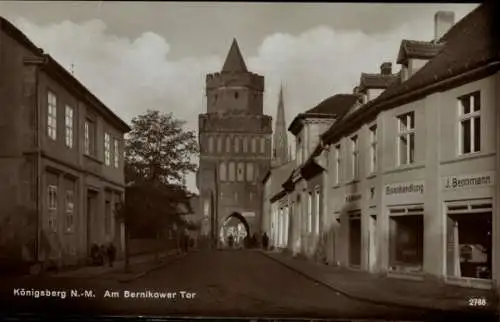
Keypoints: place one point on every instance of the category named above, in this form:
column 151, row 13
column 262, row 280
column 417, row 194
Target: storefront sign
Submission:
column 404, row 188
column 248, row 214
column 469, row 181
column 404, row 192
column 353, row 198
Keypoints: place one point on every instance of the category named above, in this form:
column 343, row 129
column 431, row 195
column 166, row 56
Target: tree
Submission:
column 159, row 153
column 158, row 149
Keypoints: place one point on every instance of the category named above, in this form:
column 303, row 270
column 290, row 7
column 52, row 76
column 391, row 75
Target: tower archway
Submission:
column 234, row 225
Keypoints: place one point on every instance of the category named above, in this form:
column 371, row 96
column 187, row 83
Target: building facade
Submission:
column 235, row 147
column 411, row 175
column 61, row 159
column 273, row 222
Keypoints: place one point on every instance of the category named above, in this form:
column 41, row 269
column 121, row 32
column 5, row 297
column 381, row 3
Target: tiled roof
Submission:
column 418, row 49
column 471, row 51
column 377, row 80
column 471, row 42
column 335, row 106
column 234, row 60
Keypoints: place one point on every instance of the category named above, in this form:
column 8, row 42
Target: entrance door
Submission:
column 355, row 241
column 91, row 208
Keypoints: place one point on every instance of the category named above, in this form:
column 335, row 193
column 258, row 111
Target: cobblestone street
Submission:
column 225, row 283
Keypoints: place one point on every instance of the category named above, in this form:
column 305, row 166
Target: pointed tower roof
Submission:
column 234, row 60
column 280, row 139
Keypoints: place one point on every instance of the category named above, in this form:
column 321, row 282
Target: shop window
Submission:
column 406, row 241
column 469, row 241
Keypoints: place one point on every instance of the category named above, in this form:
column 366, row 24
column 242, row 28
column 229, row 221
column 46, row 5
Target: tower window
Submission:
column 236, row 95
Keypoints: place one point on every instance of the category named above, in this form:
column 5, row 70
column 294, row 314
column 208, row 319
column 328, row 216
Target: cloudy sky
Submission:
column 154, row 55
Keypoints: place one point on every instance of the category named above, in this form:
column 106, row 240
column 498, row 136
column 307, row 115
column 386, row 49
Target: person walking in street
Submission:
column 265, row 241
column 111, row 254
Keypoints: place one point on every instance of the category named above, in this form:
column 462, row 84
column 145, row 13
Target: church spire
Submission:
column 280, row 136
column 234, row 60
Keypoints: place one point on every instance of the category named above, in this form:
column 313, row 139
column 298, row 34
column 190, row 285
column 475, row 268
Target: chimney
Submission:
column 386, row 68
column 443, row 21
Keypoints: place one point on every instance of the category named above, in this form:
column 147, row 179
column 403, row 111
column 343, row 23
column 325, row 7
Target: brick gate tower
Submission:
column 235, row 147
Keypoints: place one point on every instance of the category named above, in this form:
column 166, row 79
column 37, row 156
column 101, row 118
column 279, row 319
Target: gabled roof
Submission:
column 471, row 51
column 418, row 49
column 334, row 107
column 234, row 60
column 50, row 65
column 378, row 81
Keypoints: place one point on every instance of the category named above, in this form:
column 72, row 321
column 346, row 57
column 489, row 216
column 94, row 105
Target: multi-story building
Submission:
column 235, row 146
column 61, row 156
column 412, row 174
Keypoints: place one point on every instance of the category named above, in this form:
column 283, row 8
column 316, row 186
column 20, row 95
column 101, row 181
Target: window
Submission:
column 116, row 153
column 249, row 172
column 70, row 208
column 240, row 172
column 89, row 137
column 338, row 164
column 210, row 144
column 69, row 126
column 222, row 171
column 251, row 196
column 262, row 145
column 406, row 138
column 219, row 144
column 228, row 144
column 373, row 148
column 237, row 144
column 406, row 241
column 52, row 115
column 355, row 157
column 236, row 196
column 236, row 95
column 309, row 212
column 254, row 145
column 245, row 145
column 107, row 149
column 470, row 123
column 107, row 218
column 52, row 207
column 318, row 211
column 232, row 172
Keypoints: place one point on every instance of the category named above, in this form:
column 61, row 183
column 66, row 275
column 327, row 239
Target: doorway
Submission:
column 234, row 231
column 355, row 239
column 91, row 213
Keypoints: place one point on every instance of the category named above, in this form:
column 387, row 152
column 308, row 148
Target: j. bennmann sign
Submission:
column 469, row 181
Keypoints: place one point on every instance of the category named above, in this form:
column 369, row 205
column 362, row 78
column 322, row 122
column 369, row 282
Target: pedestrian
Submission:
column 102, row 254
column 94, row 254
column 111, row 254
column 265, row 241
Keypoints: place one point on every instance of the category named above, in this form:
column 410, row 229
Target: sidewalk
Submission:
column 134, row 261
column 384, row 290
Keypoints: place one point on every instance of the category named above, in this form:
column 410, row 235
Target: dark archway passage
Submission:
column 234, row 225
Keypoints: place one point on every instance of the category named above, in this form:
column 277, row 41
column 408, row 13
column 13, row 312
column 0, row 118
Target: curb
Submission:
column 371, row 300
column 154, row 268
